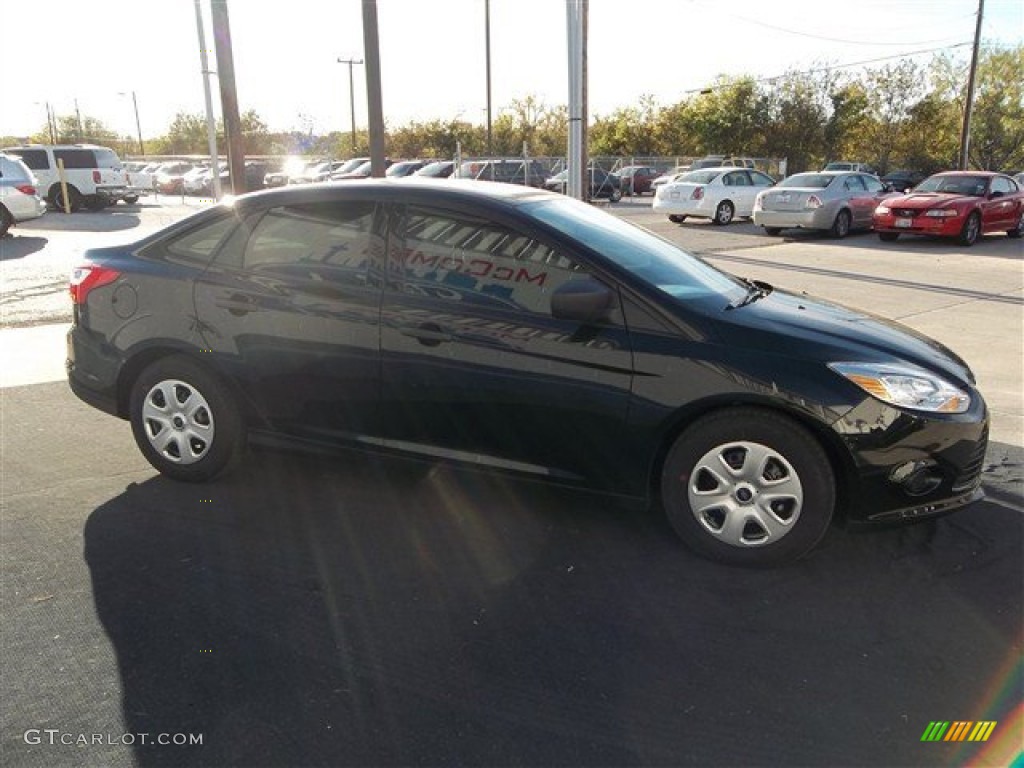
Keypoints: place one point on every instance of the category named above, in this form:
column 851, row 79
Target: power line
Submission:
column 842, row 66
column 833, row 39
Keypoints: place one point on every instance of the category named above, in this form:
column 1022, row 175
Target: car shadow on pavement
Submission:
column 17, row 246
column 357, row 611
column 107, row 220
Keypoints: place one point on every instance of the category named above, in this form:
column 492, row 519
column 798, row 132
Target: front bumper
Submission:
column 911, row 466
column 919, row 225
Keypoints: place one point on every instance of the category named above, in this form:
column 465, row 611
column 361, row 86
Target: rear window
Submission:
column 106, row 158
column 812, row 180
column 699, row 177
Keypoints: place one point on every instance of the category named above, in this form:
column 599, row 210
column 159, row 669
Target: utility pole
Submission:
column 228, row 94
column 374, row 104
column 487, row 48
column 78, row 115
column 211, row 124
column 352, row 97
column 138, row 125
column 965, row 133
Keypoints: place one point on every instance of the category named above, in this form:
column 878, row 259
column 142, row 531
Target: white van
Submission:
column 95, row 176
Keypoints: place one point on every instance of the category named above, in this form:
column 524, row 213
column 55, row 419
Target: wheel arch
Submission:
column 142, row 359
column 838, row 456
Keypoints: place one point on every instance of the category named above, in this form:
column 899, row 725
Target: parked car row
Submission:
column 960, row 204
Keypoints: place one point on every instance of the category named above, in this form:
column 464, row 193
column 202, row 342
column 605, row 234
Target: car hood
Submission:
column 802, row 326
column 919, row 201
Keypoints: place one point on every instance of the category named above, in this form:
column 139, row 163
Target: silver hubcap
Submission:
column 745, row 494
column 178, row 421
column 724, row 214
column 972, row 228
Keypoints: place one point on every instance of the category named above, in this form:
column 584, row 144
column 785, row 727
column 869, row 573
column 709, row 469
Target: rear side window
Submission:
column 76, row 159
column 313, row 242
column 196, row 247
column 35, row 159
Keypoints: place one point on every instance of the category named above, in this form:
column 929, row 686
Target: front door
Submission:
column 475, row 367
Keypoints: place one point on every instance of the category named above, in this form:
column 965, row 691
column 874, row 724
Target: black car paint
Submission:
column 595, row 406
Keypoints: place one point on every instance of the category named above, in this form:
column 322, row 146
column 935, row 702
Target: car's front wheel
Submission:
column 747, row 486
column 185, row 421
column 724, row 213
column 131, row 199
column 773, row 231
column 615, row 196
column 6, row 221
column 971, row 230
column 888, row 237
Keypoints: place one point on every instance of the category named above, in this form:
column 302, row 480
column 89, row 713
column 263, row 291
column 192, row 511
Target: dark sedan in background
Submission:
column 521, row 331
column 602, row 184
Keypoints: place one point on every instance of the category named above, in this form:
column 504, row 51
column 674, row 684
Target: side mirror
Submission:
column 585, row 301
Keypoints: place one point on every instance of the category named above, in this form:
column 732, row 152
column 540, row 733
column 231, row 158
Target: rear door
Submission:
column 290, row 307
column 475, row 367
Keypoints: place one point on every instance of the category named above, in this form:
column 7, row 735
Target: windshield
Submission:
column 350, row 165
column 433, row 169
column 973, row 186
column 644, row 254
column 698, row 177
column 813, row 180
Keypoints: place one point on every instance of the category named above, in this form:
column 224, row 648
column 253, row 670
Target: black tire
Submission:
column 888, row 237
column 971, row 230
column 615, row 196
column 724, row 213
column 803, row 495
column 841, row 226
column 218, row 431
column 773, row 231
column 57, row 198
column 676, row 218
column 131, row 199
column 1017, row 231
column 6, row 221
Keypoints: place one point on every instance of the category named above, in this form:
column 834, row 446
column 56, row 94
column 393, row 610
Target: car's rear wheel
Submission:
column 888, row 237
column 724, row 213
column 57, row 198
column 615, row 196
column 6, row 221
column 841, row 226
column 747, row 486
column 185, row 421
column 971, row 230
column 1017, row 231
column 97, row 203
column 676, row 218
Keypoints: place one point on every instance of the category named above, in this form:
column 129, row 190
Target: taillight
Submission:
column 25, row 189
column 813, row 202
column 698, row 193
column 97, row 177
column 87, row 277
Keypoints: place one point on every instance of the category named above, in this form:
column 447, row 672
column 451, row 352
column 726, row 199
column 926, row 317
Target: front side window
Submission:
column 35, row 159
column 761, row 179
column 463, row 259
column 646, row 256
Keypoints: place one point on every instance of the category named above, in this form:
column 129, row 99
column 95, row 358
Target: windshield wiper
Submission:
column 755, row 290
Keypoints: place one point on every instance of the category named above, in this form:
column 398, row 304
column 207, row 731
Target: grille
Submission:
column 968, row 478
column 905, row 213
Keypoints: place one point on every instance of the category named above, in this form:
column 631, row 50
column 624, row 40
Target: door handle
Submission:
column 428, row 334
column 237, row 304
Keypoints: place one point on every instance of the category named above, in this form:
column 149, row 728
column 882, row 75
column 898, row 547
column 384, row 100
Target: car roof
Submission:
column 968, row 173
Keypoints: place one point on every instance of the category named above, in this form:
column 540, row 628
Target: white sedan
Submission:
column 719, row 194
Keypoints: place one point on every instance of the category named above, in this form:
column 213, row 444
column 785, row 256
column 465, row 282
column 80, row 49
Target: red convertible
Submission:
column 960, row 204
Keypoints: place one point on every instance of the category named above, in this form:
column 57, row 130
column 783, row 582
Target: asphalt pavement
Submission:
column 343, row 610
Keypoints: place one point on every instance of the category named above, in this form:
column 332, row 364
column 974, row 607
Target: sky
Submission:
column 433, row 54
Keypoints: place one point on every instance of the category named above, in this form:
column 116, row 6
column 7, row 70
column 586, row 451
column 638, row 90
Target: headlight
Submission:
column 881, row 210
column 941, row 213
column 905, row 386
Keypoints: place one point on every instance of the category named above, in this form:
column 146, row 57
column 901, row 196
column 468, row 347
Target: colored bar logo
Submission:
column 960, row 730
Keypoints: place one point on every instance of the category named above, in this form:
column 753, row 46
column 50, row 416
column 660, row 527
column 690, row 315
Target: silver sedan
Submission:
column 833, row 201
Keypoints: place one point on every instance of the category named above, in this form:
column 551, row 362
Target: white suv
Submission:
column 95, row 176
column 19, row 198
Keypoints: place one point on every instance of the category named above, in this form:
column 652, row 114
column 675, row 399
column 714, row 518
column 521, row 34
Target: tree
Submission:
column 997, row 127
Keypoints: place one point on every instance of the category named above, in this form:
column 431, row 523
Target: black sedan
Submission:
column 602, row 184
column 521, row 331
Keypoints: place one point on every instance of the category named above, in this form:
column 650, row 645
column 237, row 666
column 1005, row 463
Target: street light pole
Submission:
column 138, row 125
column 352, row 97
